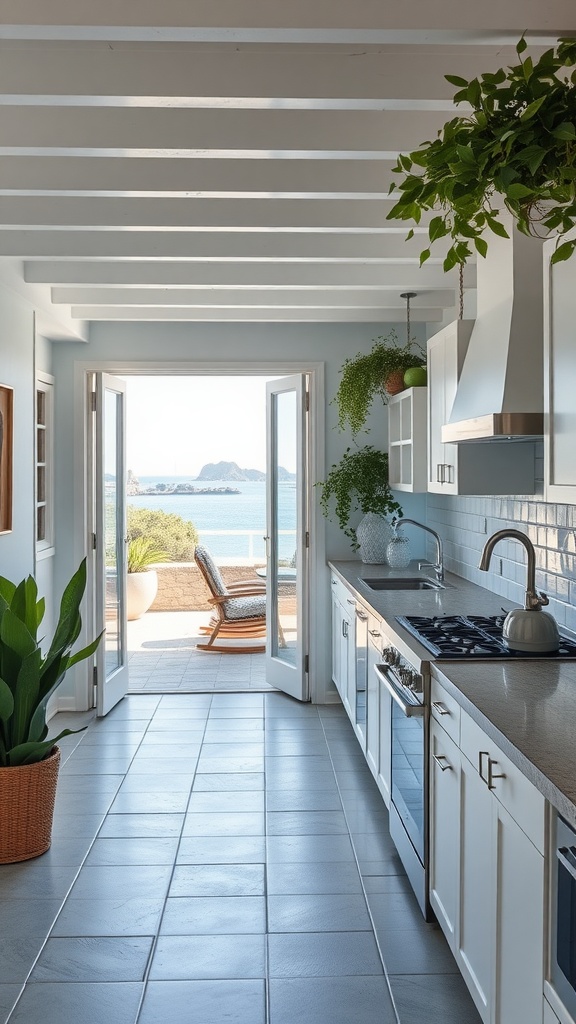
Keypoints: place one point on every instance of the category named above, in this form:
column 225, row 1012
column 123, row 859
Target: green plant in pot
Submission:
column 142, row 581
column 379, row 372
column 28, row 758
column 359, row 483
column 517, row 148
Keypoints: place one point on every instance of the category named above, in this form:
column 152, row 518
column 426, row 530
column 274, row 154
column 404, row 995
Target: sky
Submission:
column 177, row 424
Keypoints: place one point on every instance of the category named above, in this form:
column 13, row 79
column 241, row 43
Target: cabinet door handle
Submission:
column 439, row 758
column 491, row 774
column 361, row 615
column 481, row 754
column 375, row 632
column 440, row 707
column 350, row 600
column 344, row 628
column 438, row 472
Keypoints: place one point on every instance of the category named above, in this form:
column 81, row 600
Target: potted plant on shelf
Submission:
column 28, row 759
column 516, row 147
column 142, row 579
column 379, row 372
column 359, row 483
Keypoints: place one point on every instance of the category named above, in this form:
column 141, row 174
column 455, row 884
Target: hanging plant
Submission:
column 368, row 375
column 358, row 483
column 517, row 146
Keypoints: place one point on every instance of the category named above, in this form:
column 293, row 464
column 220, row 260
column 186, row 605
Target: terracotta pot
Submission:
column 394, row 382
column 141, row 589
column 27, row 795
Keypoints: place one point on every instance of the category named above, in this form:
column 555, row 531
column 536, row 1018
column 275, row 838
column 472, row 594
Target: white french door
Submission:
column 287, row 553
column 109, row 487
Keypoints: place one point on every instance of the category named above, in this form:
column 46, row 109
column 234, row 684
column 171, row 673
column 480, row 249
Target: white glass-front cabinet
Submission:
column 559, row 379
column 472, row 468
column 407, row 433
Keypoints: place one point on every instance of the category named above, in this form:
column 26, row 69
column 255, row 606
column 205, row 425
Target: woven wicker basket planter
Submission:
column 27, row 795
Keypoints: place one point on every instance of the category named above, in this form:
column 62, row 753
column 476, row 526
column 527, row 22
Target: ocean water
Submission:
column 244, row 513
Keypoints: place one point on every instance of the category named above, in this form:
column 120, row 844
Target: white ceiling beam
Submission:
column 188, row 75
column 217, row 246
column 255, row 296
column 147, row 177
column 182, row 214
column 119, row 131
column 245, row 275
column 273, row 314
column 310, row 20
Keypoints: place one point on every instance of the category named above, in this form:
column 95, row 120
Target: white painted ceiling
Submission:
column 230, row 160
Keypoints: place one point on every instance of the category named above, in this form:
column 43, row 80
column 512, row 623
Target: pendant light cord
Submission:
column 408, row 296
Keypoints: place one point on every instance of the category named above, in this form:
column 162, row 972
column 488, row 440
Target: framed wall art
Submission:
column 6, row 454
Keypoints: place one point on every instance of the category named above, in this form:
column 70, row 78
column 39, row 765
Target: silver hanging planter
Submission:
column 373, row 534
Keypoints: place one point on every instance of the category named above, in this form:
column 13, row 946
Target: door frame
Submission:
column 321, row 688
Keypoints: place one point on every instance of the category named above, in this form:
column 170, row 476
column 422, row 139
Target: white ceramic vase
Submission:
column 141, row 589
column 373, row 534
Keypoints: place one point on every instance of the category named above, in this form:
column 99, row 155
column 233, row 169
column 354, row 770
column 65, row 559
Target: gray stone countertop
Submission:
column 527, row 707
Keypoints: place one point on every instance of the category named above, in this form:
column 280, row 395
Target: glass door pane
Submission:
column 287, row 552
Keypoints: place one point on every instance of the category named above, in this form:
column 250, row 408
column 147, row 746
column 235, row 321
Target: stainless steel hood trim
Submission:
column 524, row 426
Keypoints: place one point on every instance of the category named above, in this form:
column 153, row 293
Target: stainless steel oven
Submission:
column 409, row 687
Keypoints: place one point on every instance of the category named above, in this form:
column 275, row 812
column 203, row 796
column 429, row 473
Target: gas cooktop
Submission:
column 473, row 637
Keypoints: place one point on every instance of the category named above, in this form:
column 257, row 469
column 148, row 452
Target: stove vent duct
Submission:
column 500, row 393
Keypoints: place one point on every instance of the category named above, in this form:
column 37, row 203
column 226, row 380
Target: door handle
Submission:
column 481, row 754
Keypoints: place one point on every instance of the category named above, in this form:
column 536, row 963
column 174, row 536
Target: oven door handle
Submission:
column 410, row 710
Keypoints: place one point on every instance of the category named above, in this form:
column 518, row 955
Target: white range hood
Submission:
column 500, row 392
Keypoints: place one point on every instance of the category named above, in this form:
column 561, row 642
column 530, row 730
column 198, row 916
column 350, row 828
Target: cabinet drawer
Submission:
column 446, row 710
column 510, row 787
column 340, row 592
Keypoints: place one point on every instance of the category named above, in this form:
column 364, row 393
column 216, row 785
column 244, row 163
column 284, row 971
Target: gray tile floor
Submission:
column 219, row 859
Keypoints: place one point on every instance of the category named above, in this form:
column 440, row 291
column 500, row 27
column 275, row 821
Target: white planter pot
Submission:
column 141, row 589
column 373, row 534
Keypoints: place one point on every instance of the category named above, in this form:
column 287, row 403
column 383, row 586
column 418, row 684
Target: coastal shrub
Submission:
column 167, row 531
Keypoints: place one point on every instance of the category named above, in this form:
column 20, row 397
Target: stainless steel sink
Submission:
column 401, row 583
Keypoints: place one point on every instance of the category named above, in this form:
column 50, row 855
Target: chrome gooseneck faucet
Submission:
column 438, row 565
column 533, row 601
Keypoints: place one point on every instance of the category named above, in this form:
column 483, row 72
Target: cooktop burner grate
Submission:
column 473, row 637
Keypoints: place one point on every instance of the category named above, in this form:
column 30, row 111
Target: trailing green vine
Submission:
column 358, row 483
column 518, row 145
column 364, row 377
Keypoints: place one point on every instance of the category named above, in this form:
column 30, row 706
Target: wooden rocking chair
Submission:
column 239, row 609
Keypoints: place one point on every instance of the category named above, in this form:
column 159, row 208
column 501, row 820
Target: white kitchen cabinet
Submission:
column 559, row 379
column 407, row 433
column 500, row 945
column 342, row 644
column 373, row 696
column 444, row 830
column 471, row 468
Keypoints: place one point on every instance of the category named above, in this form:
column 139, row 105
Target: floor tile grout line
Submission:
column 374, row 930
column 156, row 937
